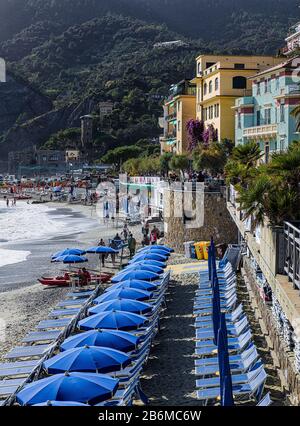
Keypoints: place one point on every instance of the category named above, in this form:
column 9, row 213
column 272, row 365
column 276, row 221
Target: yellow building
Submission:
column 179, row 108
column 220, row 81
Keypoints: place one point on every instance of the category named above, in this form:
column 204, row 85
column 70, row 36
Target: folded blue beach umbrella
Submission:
column 88, row 388
column 71, row 258
column 101, row 250
column 67, row 252
column 150, row 256
column 60, row 404
column 141, row 267
column 87, row 359
column 117, row 320
column 124, row 293
column 137, row 284
column 115, row 339
column 162, row 265
column 135, row 275
column 127, row 305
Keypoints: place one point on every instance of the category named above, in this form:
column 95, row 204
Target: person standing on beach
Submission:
column 102, row 255
column 114, row 246
column 125, row 232
column 131, row 245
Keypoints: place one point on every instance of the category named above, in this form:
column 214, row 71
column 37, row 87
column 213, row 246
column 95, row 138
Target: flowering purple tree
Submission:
column 195, row 129
column 210, row 134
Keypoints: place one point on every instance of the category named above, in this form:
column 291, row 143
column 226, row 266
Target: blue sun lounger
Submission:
column 42, row 336
column 55, row 323
column 233, row 330
column 253, row 389
column 27, row 351
column 241, row 363
column 265, row 401
column 206, row 320
column 235, row 344
column 59, row 313
column 18, row 368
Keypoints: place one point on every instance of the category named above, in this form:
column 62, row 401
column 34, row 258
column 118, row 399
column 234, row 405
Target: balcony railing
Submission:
column 292, row 261
column 265, row 130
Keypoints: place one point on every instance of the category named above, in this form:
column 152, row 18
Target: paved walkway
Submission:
column 188, row 268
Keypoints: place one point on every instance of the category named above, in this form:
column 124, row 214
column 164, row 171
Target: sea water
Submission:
column 29, row 222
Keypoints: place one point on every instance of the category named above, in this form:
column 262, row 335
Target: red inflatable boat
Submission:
column 63, row 282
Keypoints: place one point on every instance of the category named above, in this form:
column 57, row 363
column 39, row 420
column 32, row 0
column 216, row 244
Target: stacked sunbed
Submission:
column 24, row 362
column 101, row 363
column 232, row 371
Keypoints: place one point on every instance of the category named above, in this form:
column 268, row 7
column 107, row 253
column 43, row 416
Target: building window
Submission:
column 199, row 94
column 282, row 118
column 199, row 68
column 205, row 88
column 239, row 66
column 210, row 86
column 239, row 82
column 216, row 84
column 277, row 83
column 216, row 110
column 178, row 106
column 258, row 116
column 268, row 85
column 239, row 120
column 178, row 125
column 258, row 89
column 268, row 116
column 281, row 145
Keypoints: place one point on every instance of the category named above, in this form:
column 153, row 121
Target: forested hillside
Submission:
column 74, row 53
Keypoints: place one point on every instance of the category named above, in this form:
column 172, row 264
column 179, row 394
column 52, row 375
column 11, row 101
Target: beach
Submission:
column 26, row 257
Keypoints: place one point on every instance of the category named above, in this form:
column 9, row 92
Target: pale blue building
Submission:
column 266, row 115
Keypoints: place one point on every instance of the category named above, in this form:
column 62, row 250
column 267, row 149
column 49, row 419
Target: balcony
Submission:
column 266, row 130
column 292, row 261
column 171, row 117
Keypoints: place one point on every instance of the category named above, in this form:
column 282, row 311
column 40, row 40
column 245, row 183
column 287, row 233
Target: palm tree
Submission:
column 247, row 154
column 296, row 113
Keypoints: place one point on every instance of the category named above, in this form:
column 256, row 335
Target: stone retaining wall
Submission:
column 209, row 217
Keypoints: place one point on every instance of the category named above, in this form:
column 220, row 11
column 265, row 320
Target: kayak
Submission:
column 62, row 282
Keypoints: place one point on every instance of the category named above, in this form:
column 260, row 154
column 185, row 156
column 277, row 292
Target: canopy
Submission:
column 71, row 258
column 138, row 275
column 114, row 320
column 101, row 250
column 88, row 388
column 142, row 267
column 120, row 340
column 127, row 305
column 61, row 404
column 124, row 293
column 150, row 256
column 87, row 359
column 66, row 252
column 137, row 284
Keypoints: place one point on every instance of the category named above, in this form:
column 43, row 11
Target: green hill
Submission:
column 71, row 54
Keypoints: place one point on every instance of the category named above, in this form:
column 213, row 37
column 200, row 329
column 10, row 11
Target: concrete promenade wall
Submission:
column 284, row 358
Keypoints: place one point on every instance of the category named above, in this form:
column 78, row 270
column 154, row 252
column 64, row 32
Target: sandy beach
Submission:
column 23, row 301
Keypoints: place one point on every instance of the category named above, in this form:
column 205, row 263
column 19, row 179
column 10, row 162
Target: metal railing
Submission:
column 292, row 261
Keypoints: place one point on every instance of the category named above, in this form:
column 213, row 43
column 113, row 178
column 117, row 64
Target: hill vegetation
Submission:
column 77, row 53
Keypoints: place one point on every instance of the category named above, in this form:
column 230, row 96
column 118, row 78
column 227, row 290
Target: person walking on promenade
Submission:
column 131, row 245
column 154, row 235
